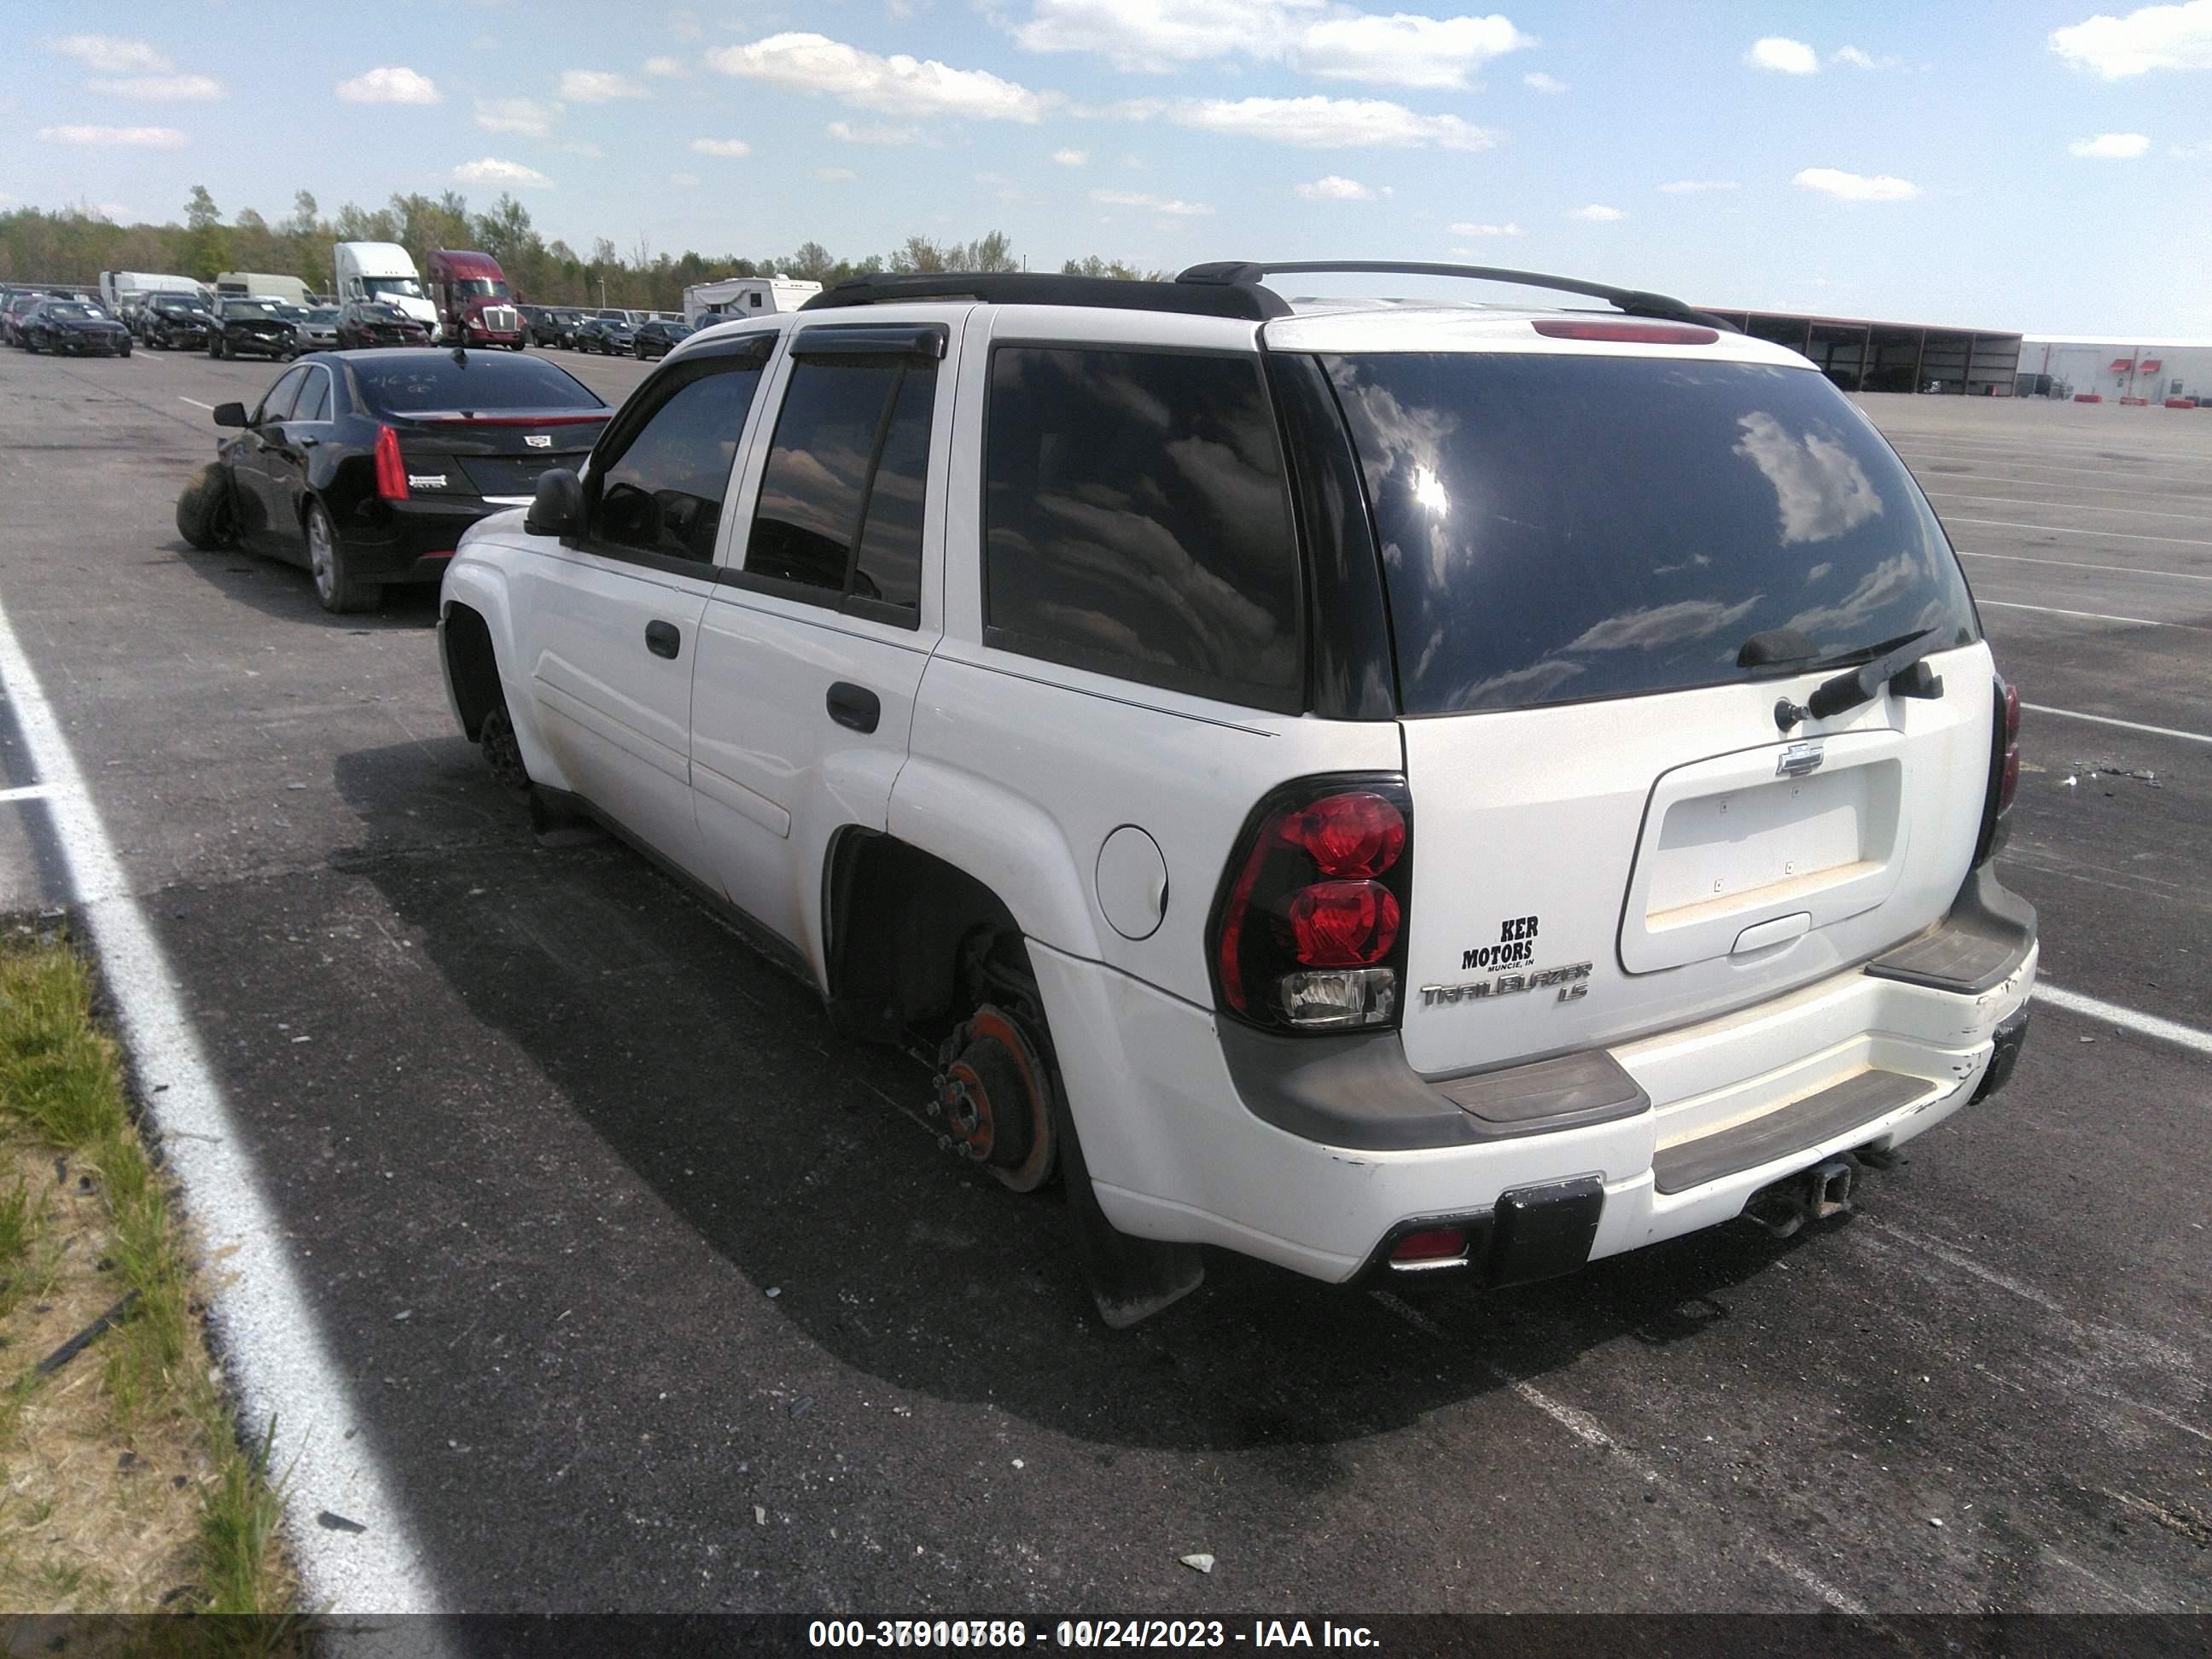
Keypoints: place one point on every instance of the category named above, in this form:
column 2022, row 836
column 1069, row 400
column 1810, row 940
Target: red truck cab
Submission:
column 475, row 307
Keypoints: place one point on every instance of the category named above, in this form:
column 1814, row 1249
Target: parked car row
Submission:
column 610, row 332
column 18, row 300
column 71, row 328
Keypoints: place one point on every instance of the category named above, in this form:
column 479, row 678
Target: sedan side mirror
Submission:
column 558, row 509
column 230, row 414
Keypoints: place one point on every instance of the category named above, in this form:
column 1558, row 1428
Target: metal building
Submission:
column 2116, row 368
column 1860, row 356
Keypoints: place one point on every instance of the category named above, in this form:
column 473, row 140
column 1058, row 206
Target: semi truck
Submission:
column 382, row 272
column 475, row 306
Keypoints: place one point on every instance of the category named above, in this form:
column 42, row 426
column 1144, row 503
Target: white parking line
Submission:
column 287, row 1382
column 2149, row 1025
column 2068, row 507
column 2106, row 719
column 197, row 404
column 2092, row 615
column 2107, row 535
column 28, row 791
column 2074, row 564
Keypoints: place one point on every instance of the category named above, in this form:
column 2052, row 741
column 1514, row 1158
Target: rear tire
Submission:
column 502, row 752
column 339, row 592
column 204, row 510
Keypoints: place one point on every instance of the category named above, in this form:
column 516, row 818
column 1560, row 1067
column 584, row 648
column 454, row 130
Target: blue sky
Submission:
column 2023, row 165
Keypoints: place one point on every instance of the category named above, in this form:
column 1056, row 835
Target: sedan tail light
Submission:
column 1309, row 931
column 390, row 470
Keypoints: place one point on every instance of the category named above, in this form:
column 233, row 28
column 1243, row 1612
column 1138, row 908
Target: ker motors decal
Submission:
column 1516, row 945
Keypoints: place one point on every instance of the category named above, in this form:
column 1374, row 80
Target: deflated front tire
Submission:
column 203, row 515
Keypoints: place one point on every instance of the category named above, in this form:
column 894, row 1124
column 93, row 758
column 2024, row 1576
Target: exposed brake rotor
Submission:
column 995, row 1098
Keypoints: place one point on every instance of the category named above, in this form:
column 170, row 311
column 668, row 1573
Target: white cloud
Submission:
column 1070, row 158
column 2190, row 152
column 1543, row 82
column 2152, row 38
column 1403, row 49
column 393, row 84
column 1858, row 59
column 1335, row 188
column 1696, row 186
column 668, row 67
column 684, row 180
column 1509, row 228
column 898, row 85
column 1174, row 208
column 845, row 133
column 122, row 137
column 1333, row 123
column 493, row 171
column 524, row 115
column 597, row 87
column 160, row 88
column 726, row 147
column 109, row 54
column 1786, row 56
column 1856, row 186
column 835, row 175
column 2110, row 146
column 1597, row 214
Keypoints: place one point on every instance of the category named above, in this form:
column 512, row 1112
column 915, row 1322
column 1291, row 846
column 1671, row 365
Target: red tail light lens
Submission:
column 1309, row 931
column 1356, row 834
column 2004, row 772
column 1344, row 924
column 390, row 470
column 1431, row 1249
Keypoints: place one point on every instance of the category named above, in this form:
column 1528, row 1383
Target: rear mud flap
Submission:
column 1130, row 1278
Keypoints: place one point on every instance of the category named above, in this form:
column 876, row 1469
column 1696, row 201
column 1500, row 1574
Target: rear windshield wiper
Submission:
column 1898, row 665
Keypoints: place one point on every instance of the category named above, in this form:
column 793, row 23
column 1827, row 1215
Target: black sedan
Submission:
column 73, row 328
column 658, row 339
column 366, row 466
column 604, row 335
column 250, row 328
column 171, row 323
column 363, row 323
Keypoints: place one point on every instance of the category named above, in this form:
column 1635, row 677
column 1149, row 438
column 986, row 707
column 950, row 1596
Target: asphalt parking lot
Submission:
column 654, row 1295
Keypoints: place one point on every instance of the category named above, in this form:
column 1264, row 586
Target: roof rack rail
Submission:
column 1636, row 302
column 1248, row 303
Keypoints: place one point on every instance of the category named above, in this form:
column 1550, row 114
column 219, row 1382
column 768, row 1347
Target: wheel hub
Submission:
column 995, row 1097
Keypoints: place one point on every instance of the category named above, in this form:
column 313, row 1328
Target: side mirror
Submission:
column 230, row 414
column 558, row 509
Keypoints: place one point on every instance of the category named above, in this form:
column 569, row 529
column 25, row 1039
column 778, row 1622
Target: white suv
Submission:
column 1382, row 787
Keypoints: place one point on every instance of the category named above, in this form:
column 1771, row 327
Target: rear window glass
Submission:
column 1560, row 528
column 426, row 380
column 1137, row 521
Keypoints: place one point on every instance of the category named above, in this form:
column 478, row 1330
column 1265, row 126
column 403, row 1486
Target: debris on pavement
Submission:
column 1198, row 1563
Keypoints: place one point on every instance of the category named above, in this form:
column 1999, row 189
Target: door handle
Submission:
column 662, row 639
column 309, row 442
column 854, row 706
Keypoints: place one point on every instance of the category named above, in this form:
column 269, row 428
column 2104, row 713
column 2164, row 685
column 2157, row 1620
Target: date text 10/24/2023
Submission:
column 945, row 1635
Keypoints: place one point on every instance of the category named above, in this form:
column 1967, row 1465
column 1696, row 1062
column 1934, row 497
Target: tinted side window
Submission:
column 1137, row 521
column 841, row 502
column 314, row 402
column 663, row 493
column 277, row 405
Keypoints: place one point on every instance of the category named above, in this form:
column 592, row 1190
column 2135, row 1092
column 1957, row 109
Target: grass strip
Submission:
column 126, row 1488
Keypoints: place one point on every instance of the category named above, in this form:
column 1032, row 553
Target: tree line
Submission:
column 73, row 245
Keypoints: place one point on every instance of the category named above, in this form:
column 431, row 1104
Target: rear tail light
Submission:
column 390, row 470
column 1435, row 1247
column 1308, row 934
column 2004, row 772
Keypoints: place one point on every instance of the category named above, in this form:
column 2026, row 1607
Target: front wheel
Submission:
column 339, row 592
column 502, row 752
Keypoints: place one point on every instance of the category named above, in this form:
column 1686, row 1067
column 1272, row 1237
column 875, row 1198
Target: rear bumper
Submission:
column 411, row 541
column 1671, row 1134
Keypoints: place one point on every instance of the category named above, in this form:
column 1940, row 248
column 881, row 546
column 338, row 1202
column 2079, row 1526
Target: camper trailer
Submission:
column 708, row 303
